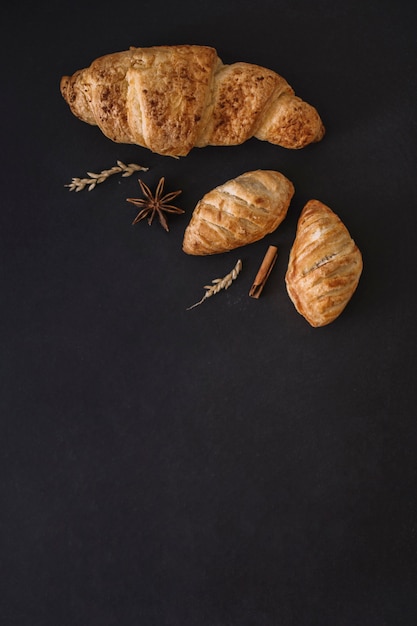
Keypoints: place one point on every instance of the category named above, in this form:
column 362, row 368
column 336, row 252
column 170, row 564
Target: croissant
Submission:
column 239, row 212
column 173, row 98
column 324, row 265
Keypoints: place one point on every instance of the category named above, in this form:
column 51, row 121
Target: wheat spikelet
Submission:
column 77, row 184
column 219, row 283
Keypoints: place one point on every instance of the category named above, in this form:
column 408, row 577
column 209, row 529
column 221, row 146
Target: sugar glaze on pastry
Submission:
column 324, row 265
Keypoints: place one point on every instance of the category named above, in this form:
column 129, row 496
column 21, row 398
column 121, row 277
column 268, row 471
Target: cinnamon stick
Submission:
column 264, row 272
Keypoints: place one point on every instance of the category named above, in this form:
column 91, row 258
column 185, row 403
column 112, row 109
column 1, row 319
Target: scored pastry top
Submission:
column 239, row 212
column 324, row 265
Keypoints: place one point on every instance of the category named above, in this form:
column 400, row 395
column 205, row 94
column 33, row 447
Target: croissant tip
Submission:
column 63, row 85
column 321, row 132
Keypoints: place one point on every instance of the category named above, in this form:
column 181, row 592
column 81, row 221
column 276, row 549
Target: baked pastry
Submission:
column 324, row 265
column 241, row 211
column 172, row 98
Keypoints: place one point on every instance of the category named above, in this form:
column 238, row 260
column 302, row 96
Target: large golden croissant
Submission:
column 324, row 265
column 239, row 212
column 171, row 99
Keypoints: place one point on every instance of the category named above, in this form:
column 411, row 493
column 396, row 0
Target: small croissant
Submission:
column 324, row 265
column 239, row 212
column 171, row 99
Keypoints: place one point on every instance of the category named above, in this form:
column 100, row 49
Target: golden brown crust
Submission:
column 172, row 98
column 291, row 123
column 240, row 93
column 239, row 212
column 324, row 265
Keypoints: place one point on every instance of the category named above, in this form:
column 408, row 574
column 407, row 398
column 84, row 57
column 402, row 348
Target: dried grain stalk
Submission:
column 219, row 284
column 77, row 184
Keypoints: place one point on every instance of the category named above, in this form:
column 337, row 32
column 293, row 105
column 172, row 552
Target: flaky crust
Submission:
column 239, row 212
column 172, row 98
column 324, row 265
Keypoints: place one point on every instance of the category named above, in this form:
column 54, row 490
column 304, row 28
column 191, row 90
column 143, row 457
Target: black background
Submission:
column 228, row 465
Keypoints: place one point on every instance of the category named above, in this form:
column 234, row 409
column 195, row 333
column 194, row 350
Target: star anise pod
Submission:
column 155, row 204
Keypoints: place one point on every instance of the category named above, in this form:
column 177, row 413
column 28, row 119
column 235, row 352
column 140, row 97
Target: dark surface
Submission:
column 229, row 465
